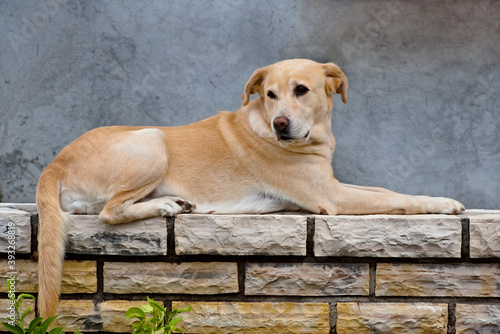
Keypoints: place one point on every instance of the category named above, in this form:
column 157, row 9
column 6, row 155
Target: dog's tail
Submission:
column 51, row 240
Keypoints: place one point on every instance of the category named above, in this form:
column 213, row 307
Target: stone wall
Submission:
column 280, row 273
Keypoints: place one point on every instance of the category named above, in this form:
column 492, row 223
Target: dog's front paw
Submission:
column 442, row 205
column 172, row 206
column 186, row 206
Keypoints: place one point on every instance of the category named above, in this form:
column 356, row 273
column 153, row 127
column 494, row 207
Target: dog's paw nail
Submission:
column 323, row 211
column 188, row 207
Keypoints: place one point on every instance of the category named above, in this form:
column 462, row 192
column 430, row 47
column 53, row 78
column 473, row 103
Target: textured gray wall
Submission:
column 424, row 106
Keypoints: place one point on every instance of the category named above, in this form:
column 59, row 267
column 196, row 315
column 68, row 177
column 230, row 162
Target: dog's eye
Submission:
column 271, row 95
column 301, row 90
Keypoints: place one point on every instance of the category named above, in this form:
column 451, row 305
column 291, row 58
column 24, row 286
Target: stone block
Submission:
column 260, row 317
column 307, row 279
column 241, row 234
column 374, row 318
column 6, row 312
column 438, row 280
column 78, row 314
column 478, row 318
column 204, row 278
column 20, row 222
column 414, row 236
column 78, row 276
column 485, row 236
column 87, row 235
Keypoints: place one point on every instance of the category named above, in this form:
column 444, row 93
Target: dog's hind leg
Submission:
column 133, row 201
column 140, row 162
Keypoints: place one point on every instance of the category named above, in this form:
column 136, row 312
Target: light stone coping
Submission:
column 263, row 317
column 417, row 236
column 478, row 318
column 241, row 234
column 477, row 212
column 78, row 276
column 307, row 279
column 87, row 235
column 415, row 318
column 438, row 280
column 22, row 221
column 485, row 236
column 29, row 207
column 204, row 278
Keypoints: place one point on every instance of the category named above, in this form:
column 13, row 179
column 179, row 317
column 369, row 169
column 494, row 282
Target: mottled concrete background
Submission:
column 424, row 106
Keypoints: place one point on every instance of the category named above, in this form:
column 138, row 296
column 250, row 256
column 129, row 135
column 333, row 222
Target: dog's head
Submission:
column 295, row 99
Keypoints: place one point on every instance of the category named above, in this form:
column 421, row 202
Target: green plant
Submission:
column 158, row 321
column 38, row 325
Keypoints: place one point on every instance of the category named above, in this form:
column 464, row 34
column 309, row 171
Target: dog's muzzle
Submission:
column 283, row 131
column 281, row 127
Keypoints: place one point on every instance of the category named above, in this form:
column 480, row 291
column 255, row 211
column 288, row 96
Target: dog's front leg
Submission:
column 348, row 199
column 376, row 189
column 314, row 188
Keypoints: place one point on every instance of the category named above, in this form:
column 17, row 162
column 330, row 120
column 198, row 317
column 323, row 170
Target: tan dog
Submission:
column 273, row 154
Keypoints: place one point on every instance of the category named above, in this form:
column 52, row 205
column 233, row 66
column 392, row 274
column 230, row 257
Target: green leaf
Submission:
column 23, row 296
column 153, row 322
column 137, row 329
column 141, row 327
column 175, row 321
column 13, row 329
column 26, row 295
column 156, row 305
column 45, row 325
column 58, row 330
column 135, row 312
column 178, row 330
column 25, row 313
column 147, row 308
column 187, row 309
column 34, row 323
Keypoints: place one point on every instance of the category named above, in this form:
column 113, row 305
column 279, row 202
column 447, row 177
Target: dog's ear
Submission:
column 336, row 81
column 254, row 84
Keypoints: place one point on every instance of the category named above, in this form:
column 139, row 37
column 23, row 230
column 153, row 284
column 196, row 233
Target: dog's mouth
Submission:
column 286, row 139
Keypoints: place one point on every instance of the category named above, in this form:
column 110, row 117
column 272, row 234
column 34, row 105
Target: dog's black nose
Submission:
column 281, row 124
